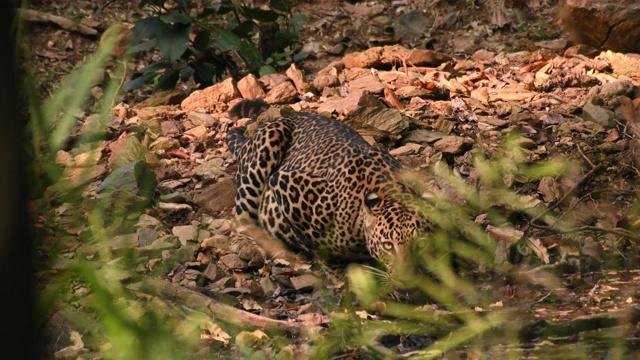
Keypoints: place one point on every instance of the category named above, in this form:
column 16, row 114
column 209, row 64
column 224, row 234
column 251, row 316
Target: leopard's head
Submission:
column 391, row 222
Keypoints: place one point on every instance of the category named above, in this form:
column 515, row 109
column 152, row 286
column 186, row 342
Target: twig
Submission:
column 216, row 309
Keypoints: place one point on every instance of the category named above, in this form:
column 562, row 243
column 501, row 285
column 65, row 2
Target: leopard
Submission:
column 318, row 186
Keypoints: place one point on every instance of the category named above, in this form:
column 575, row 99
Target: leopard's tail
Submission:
column 248, row 109
column 244, row 109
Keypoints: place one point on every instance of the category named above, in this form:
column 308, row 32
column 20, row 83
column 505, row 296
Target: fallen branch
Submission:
column 545, row 329
column 37, row 16
column 216, row 309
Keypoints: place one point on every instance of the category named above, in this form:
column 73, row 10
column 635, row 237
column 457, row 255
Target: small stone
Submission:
column 272, row 80
column 198, row 132
column 232, row 262
column 423, row 136
column 169, row 128
column 323, row 81
column 379, row 122
column 211, row 272
column 285, row 93
column 453, row 144
column 369, row 83
column 164, row 143
column 597, row 114
column 408, row 149
column 304, row 282
column 185, row 233
column 298, row 78
column 211, row 168
column 218, row 196
column 198, row 118
column 124, row 150
column 250, row 88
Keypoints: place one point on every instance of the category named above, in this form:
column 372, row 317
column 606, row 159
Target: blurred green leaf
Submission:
column 174, row 41
column 201, row 41
column 259, row 14
column 267, row 70
column 168, row 80
column 175, row 17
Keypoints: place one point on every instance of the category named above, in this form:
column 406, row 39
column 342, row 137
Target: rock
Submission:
column 169, row 128
column 131, row 180
column 464, row 43
column 337, row 49
column 185, row 233
column 304, row 282
column 160, row 245
column 146, row 236
column 284, row 93
column 198, row 118
column 453, row 144
column 211, row 272
column 407, row 92
column 218, row 196
column 611, row 90
column 581, row 49
column 250, row 88
column 89, row 158
column 124, row 150
column 410, row 26
column 408, row 149
column 483, row 55
column 333, row 68
column 272, row 80
column 554, row 45
column 389, row 55
column 164, row 143
column 123, row 242
column 198, row 132
column 340, row 105
column 298, row 78
column 327, row 80
column 166, row 97
column 421, row 136
column 215, row 97
column 369, row 83
column 211, row 168
column 610, row 24
column 64, row 158
column 231, row 262
column 591, row 112
column 379, row 122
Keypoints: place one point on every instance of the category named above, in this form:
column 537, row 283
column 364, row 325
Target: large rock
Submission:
column 215, row 97
column 611, row 24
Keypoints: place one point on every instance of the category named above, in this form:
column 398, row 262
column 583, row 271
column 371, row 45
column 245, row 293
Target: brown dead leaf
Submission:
column 214, row 333
column 509, row 235
column 539, row 249
column 391, row 99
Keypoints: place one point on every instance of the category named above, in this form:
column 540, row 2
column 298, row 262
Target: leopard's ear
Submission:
column 372, row 199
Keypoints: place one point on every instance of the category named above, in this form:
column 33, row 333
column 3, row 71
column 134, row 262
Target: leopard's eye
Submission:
column 387, row 245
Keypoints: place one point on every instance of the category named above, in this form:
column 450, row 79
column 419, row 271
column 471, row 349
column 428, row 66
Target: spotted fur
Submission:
column 317, row 185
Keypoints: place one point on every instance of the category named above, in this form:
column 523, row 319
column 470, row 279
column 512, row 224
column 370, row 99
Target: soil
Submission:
column 600, row 193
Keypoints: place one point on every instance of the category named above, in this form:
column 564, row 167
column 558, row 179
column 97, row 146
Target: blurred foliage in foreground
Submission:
column 97, row 287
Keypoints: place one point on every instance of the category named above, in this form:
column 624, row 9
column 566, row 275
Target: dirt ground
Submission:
column 599, row 195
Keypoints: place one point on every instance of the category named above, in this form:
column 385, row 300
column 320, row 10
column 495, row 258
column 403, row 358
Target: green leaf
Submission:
column 161, row 65
column 168, row 80
column 217, row 9
column 174, row 42
column 296, row 22
column 204, row 74
column 148, row 28
column 142, row 46
column 176, row 17
column 250, row 53
column 259, row 14
column 186, row 74
column 282, row 62
column 229, row 40
column 300, row 56
column 201, row 41
column 139, row 81
column 244, row 28
column 184, row 3
column 281, row 5
column 267, row 70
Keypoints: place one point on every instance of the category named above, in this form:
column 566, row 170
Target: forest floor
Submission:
column 508, row 74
